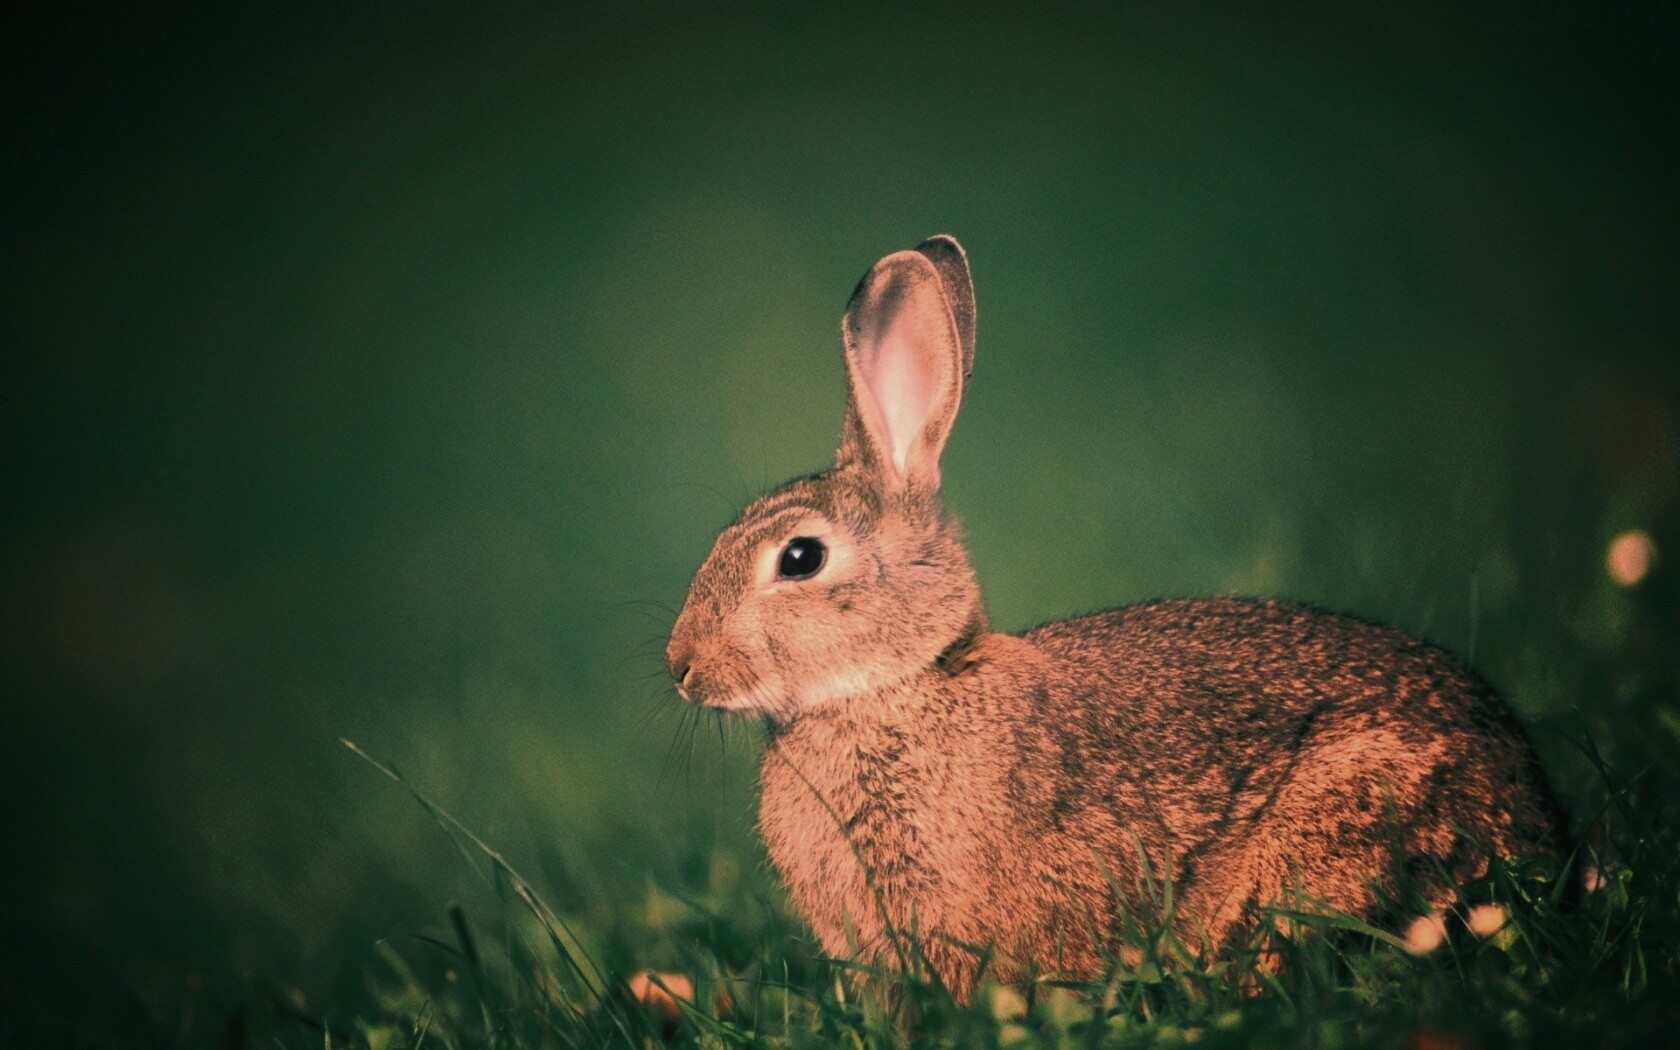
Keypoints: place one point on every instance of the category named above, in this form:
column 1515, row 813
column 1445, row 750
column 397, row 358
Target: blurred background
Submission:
column 384, row 374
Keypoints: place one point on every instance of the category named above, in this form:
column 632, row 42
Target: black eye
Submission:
column 801, row 558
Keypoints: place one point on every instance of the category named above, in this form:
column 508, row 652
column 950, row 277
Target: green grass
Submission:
column 1599, row 968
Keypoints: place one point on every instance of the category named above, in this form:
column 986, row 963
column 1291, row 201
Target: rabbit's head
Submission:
column 853, row 579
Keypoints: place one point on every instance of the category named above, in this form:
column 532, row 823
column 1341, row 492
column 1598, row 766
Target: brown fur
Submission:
column 1004, row 791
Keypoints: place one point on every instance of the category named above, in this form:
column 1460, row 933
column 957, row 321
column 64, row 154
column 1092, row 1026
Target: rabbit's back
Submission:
column 1228, row 713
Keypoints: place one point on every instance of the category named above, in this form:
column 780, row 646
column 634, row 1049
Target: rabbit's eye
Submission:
column 801, row 558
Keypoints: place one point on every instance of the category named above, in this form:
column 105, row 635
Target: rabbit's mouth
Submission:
column 734, row 704
column 742, row 704
column 754, row 697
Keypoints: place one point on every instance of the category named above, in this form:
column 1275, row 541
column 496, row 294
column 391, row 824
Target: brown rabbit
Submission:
column 994, row 791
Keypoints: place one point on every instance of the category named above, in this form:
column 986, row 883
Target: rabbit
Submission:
column 1017, row 796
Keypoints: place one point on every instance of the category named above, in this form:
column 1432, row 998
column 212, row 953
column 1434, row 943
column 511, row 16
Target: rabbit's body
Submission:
column 1360, row 754
column 924, row 775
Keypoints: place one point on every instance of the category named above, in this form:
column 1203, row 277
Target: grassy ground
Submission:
column 704, row 953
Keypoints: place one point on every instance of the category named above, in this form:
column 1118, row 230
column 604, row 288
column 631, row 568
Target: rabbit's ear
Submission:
column 904, row 361
column 951, row 261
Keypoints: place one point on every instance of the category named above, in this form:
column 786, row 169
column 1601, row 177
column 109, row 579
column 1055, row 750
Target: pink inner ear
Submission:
column 904, row 382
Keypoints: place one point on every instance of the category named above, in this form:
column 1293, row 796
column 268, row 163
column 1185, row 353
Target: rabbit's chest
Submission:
column 861, row 819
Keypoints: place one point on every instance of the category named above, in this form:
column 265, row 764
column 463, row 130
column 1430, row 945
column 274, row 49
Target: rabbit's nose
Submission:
column 680, row 662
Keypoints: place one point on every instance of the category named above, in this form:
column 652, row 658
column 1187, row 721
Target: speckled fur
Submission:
column 996, row 790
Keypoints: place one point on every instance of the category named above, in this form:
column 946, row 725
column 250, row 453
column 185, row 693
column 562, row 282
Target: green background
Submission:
column 385, row 373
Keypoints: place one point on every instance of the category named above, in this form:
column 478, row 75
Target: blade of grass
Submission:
column 550, row 920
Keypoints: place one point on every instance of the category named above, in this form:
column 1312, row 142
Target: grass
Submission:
column 710, row 957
